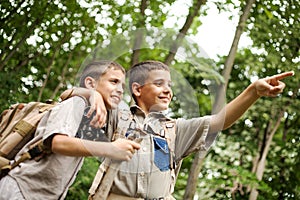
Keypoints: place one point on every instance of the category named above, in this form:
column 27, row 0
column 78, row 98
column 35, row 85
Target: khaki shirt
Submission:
column 51, row 177
column 141, row 177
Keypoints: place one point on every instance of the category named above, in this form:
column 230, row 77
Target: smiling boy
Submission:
column 61, row 131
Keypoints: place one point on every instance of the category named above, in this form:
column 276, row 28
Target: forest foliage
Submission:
column 45, row 43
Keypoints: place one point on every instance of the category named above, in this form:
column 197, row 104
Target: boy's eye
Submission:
column 117, row 81
column 158, row 83
column 162, row 83
column 114, row 81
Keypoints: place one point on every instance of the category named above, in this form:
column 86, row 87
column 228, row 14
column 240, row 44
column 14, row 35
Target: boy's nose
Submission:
column 167, row 89
column 120, row 88
column 167, row 86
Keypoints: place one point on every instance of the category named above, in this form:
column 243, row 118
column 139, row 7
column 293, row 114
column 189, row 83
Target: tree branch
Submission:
column 63, row 76
column 21, row 42
column 55, row 51
column 194, row 12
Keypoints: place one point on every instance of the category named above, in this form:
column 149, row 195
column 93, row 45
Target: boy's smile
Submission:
column 156, row 93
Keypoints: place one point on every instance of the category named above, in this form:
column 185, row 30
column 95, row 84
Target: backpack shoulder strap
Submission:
column 125, row 118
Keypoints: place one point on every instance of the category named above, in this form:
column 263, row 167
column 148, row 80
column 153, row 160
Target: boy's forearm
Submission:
column 70, row 146
column 269, row 87
column 238, row 106
column 77, row 91
column 121, row 149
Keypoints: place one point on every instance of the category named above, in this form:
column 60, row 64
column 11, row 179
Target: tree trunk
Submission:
column 261, row 164
column 139, row 35
column 239, row 30
column 192, row 181
column 255, row 160
column 193, row 176
column 231, row 56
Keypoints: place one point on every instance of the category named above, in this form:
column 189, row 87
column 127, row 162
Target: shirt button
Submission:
column 142, row 174
column 144, row 148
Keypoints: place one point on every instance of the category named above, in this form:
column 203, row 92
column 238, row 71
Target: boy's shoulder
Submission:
column 78, row 100
column 76, row 103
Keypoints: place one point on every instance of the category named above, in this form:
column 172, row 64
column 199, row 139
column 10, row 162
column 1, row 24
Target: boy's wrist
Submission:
column 253, row 90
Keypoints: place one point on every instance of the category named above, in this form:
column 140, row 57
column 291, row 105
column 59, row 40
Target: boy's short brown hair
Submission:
column 96, row 69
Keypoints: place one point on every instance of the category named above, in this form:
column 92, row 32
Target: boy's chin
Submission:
column 111, row 106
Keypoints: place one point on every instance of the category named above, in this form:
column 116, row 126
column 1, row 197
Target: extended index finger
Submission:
column 283, row 75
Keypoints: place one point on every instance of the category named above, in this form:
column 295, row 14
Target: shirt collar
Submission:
column 135, row 109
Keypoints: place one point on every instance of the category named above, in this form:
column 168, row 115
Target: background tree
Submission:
column 44, row 43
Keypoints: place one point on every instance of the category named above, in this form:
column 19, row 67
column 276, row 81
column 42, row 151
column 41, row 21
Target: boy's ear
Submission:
column 89, row 82
column 136, row 89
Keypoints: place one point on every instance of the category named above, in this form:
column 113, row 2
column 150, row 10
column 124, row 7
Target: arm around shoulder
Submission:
column 96, row 103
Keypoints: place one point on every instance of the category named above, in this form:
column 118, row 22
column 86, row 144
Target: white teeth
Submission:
column 116, row 98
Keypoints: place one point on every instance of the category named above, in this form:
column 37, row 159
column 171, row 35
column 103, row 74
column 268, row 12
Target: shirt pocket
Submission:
column 161, row 154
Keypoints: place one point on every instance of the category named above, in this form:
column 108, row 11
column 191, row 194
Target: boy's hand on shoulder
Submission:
column 96, row 101
column 97, row 105
column 271, row 86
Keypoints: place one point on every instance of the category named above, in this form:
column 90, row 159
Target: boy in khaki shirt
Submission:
column 150, row 173
column 50, row 177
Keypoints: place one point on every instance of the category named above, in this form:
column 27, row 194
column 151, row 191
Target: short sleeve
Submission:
column 191, row 136
column 64, row 118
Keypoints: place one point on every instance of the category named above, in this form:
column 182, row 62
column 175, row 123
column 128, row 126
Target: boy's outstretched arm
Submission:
column 269, row 87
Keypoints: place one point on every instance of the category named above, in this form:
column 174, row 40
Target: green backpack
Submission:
column 17, row 127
